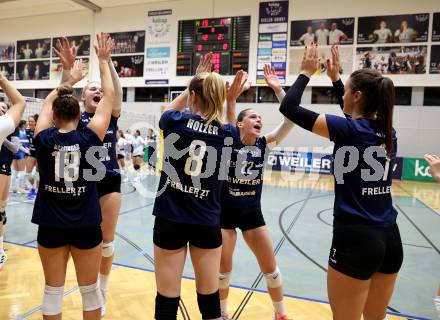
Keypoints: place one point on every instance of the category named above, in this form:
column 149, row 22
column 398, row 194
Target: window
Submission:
column 266, row 95
column 42, row 93
column 248, row 96
column 323, row 95
column 403, row 96
column 27, row 92
column 156, row 94
column 432, row 96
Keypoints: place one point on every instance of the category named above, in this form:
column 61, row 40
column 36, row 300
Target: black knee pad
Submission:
column 166, row 308
column 136, row 167
column 209, row 305
column 3, row 217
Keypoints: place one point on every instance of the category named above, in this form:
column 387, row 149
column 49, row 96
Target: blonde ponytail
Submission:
column 211, row 88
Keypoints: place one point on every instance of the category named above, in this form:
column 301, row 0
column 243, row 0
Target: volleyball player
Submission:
column 366, row 251
column 187, row 206
column 18, row 163
column 66, row 209
column 405, row 33
column 120, row 150
column 109, row 188
column 9, row 119
column 31, row 158
column 434, row 165
column 242, row 197
column 383, row 34
column 138, row 144
column 307, row 38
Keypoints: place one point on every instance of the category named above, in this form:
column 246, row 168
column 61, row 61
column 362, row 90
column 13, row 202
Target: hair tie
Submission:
column 66, row 96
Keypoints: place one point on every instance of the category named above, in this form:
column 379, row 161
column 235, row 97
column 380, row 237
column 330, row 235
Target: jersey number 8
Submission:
column 195, row 170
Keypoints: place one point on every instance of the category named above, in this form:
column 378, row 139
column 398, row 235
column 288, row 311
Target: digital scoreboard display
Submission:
column 226, row 38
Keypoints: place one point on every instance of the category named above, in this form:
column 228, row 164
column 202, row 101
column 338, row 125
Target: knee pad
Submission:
column 224, row 279
column 108, row 249
column 437, row 305
column 209, row 305
column 274, row 279
column 136, row 167
column 166, row 308
column 52, row 300
column 91, row 297
column 3, row 218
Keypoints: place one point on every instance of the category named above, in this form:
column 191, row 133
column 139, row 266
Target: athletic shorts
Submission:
column 20, row 155
column 110, row 184
column 233, row 218
column 32, row 153
column 359, row 250
column 81, row 238
column 5, row 169
column 121, row 156
column 172, row 235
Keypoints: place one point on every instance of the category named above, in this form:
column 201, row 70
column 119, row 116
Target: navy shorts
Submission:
column 359, row 250
column 248, row 220
column 81, row 238
column 110, row 184
column 172, row 235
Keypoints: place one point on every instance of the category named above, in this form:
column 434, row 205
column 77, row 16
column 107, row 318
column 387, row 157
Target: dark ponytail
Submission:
column 65, row 106
column 379, row 95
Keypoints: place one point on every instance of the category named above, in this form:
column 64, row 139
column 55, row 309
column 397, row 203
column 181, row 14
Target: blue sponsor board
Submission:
column 279, row 44
column 158, row 81
column 279, row 65
column 161, row 52
column 265, row 52
column 299, row 161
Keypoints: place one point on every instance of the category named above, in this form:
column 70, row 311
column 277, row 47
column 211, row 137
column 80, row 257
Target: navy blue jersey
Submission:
column 245, row 178
column 367, row 198
column 30, row 140
column 190, row 189
column 110, row 141
column 6, row 155
column 65, row 198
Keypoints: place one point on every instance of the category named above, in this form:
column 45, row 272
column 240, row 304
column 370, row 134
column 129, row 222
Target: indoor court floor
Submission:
column 298, row 211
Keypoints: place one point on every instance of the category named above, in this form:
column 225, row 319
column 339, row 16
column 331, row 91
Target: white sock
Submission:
column 21, row 179
column 279, row 307
column 437, row 305
column 103, row 282
column 1, row 243
column 224, row 305
column 14, row 180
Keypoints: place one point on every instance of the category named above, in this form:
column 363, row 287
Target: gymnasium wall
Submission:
column 418, row 127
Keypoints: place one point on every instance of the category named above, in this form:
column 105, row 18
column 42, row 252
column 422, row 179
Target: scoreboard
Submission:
column 226, row 38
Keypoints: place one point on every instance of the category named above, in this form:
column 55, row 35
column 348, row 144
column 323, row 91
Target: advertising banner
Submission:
column 272, row 38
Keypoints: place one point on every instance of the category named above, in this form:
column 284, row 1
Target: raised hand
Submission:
column 205, row 63
column 234, row 90
column 310, row 61
column 104, row 47
column 78, row 73
column 334, row 64
column 272, row 79
column 434, row 164
column 67, row 54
